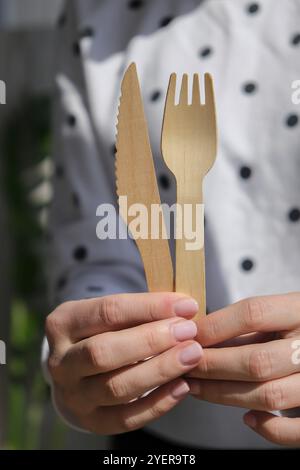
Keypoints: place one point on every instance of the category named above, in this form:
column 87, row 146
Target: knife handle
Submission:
column 157, row 263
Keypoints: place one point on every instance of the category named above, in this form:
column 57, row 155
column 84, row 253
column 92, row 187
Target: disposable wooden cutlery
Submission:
column 188, row 145
column 136, row 179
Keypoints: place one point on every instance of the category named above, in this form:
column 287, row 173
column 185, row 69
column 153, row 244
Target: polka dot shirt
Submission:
column 252, row 195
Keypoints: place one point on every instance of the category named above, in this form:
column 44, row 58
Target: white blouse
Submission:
column 252, row 194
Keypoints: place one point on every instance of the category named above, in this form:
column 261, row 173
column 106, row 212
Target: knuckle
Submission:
column 205, row 368
column 157, row 410
column 55, row 321
column 151, row 340
column 162, row 310
column 110, row 311
column 116, row 389
column 96, row 355
column 272, row 396
column 152, row 313
column 55, row 367
column 254, row 313
column 260, row 365
column 213, row 328
column 52, row 326
column 164, row 371
column 128, row 422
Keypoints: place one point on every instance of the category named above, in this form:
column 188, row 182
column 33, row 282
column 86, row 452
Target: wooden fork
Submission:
column 189, row 145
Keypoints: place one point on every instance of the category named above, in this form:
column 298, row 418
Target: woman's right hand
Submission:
column 97, row 358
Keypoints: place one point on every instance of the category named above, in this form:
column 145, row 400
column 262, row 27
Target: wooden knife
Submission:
column 136, row 179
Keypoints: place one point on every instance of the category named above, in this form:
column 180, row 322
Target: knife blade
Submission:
column 136, row 179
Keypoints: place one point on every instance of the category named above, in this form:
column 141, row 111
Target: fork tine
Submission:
column 196, row 90
column 170, row 100
column 209, row 91
column 183, row 98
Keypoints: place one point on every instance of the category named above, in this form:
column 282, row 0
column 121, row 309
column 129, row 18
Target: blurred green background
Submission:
column 26, row 169
column 27, row 62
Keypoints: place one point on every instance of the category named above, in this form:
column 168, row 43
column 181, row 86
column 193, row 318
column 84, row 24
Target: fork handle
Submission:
column 190, row 264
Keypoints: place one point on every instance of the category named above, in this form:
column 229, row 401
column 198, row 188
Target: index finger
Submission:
column 256, row 314
column 82, row 319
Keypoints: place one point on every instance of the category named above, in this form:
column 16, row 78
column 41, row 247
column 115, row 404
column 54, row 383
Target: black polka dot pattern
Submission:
column 75, row 200
column 247, row 264
column 76, row 49
column 164, row 181
column 61, row 283
column 155, row 95
column 253, row 8
column 71, row 120
column 249, row 88
column 113, row 150
column 296, row 40
column 165, row 21
column 205, row 52
column 87, row 32
column 135, row 4
column 80, row 253
column 292, row 120
column 294, row 215
column 245, row 172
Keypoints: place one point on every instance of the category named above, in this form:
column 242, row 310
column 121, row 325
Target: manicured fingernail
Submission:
column 250, row 420
column 191, row 354
column 195, row 387
column 186, row 307
column 180, row 390
column 184, row 330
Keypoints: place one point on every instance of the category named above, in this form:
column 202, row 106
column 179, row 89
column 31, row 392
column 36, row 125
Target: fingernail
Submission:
column 191, row 354
column 180, row 390
column 250, row 420
column 184, row 330
column 186, row 307
column 195, row 387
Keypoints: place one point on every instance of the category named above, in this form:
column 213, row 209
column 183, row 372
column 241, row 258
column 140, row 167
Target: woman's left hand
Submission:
column 256, row 363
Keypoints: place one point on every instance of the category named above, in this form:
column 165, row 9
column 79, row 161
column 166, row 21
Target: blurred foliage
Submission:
column 26, row 145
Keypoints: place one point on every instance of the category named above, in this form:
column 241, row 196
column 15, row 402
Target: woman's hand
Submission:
column 248, row 373
column 97, row 358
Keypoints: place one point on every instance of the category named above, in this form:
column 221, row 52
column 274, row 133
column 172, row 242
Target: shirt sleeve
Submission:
column 79, row 264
